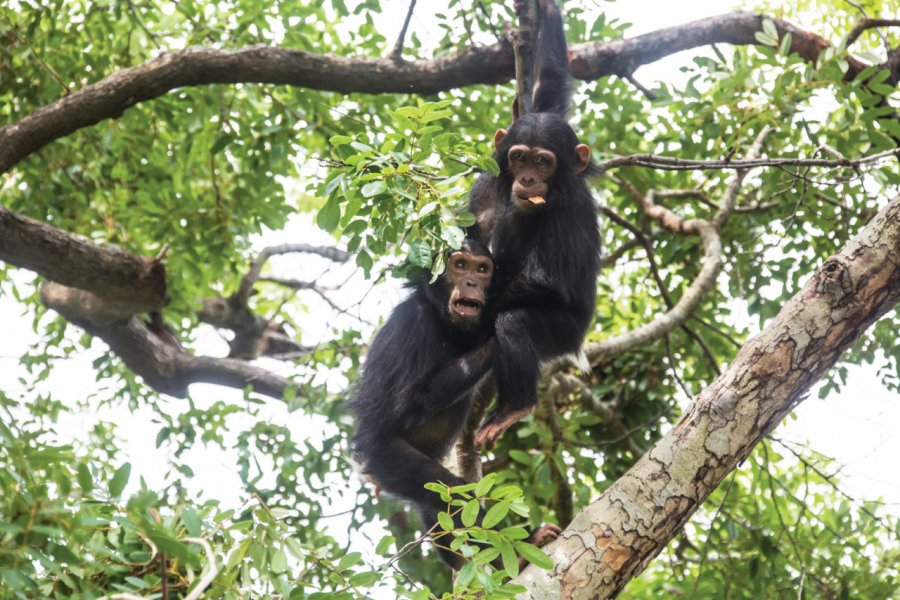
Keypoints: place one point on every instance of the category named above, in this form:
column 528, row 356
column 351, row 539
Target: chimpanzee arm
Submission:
column 551, row 64
column 449, row 384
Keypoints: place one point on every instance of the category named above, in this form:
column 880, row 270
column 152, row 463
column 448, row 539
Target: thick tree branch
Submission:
column 262, row 64
column 100, row 288
column 114, row 283
column 615, row 537
column 159, row 358
column 623, row 57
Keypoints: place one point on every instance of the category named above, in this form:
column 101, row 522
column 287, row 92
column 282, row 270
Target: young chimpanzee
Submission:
column 539, row 218
column 415, row 392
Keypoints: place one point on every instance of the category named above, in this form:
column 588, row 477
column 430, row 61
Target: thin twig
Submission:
column 669, row 163
column 211, row 570
column 397, row 53
column 637, row 84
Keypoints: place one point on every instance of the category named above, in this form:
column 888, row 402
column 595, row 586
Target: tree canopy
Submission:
column 232, row 192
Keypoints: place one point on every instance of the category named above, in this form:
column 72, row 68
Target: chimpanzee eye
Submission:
column 541, row 161
column 518, row 155
column 482, row 268
column 460, row 264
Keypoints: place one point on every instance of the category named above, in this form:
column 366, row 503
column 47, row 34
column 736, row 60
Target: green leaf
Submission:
column 192, row 521
column 329, row 215
column 485, row 485
column 514, row 533
column 765, row 39
column 470, row 512
column 220, row 144
column 495, row 514
column 348, row 560
column 364, row 261
column 466, row 574
column 785, row 47
column 85, row 481
column 521, row 457
column 278, row 561
column 509, row 558
column 119, row 480
column 454, row 236
column 533, row 555
column 373, row 188
column 445, row 521
column 365, row 579
column 466, row 219
column 420, row 254
column 385, row 544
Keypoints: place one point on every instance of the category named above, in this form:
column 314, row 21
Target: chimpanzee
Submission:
column 414, row 395
column 539, row 219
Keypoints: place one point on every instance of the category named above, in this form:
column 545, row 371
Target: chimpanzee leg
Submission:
column 525, row 337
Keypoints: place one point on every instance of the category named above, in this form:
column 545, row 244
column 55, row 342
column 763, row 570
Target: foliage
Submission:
column 393, row 192
column 780, row 527
column 214, row 172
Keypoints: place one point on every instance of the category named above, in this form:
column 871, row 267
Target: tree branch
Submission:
column 156, row 356
column 615, row 537
column 397, row 52
column 867, row 24
column 112, row 282
column 331, row 253
column 705, row 280
column 523, row 51
column 494, row 64
column 670, row 163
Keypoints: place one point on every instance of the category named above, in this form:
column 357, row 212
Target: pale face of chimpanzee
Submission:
column 533, row 167
column 468, row 277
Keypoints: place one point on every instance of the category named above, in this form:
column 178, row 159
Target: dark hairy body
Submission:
column 414, row 395
column 539, row 218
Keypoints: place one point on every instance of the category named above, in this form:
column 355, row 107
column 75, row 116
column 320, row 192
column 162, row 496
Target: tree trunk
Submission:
column 613, row 539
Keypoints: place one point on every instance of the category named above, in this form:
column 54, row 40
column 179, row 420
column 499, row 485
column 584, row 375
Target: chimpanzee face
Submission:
column 532, row 167
column 468, row 277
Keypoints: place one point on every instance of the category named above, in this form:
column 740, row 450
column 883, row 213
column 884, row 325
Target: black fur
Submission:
column 414, row 395
column 546, row 259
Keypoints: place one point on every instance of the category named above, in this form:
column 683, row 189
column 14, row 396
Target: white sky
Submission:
column 856, row 427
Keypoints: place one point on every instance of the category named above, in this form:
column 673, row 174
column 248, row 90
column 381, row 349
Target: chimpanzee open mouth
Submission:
column 467, row 306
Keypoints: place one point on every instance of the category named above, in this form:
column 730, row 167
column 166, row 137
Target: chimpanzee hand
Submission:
column 541, row 536
column 498, row 422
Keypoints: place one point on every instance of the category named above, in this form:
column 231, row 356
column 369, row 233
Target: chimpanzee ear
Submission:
column 582, row 157
column 498, row 138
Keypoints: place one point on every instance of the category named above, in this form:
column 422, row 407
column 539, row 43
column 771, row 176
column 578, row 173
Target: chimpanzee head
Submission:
column 538, row 154
column 467, row 278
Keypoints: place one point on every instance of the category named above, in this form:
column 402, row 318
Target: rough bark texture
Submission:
column 153, row 352
column 262, row 64
column 614, row 538
column 120, row 284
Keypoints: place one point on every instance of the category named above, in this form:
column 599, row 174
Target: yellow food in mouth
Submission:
column 537, row 200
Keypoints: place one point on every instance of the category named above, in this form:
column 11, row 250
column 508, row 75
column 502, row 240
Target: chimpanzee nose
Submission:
column 527, row 179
